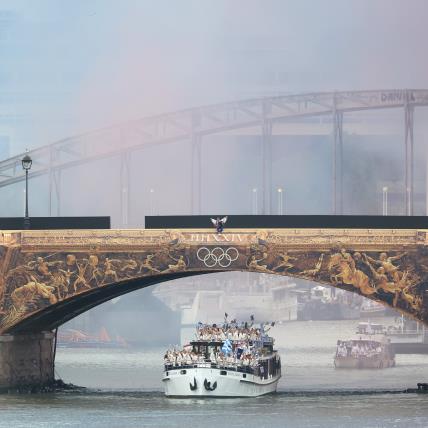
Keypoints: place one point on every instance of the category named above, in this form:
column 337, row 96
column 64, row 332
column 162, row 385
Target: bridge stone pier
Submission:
column 26, row 360
column 49, row 277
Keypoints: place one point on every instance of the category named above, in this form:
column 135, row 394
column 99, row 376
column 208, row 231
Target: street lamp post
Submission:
column 385, row 200
column 152, row 203
column 26, row 165
column 254, row 200
column 280, row 201
column 409, row 203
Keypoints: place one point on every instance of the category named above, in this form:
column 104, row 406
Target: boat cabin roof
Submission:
column 369, row 328
column 372, row 324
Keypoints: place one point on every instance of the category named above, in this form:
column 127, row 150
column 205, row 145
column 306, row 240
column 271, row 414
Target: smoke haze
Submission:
column 69, row 67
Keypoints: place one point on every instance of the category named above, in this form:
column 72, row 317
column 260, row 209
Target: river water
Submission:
column 124, row 390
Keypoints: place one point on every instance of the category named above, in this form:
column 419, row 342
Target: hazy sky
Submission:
column 69, row 66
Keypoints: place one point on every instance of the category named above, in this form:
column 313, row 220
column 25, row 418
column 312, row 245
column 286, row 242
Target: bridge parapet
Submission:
column 75, row 240
column 47, row 277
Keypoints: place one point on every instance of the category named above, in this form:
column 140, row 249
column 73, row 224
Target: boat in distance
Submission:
column 224, row 361
column 371, row 350
column 406, row 336
column 73, row 338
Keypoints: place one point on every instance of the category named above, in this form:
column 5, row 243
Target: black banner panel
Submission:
column 289, row 221
column 46, row 223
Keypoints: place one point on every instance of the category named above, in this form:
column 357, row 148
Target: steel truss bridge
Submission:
column 194, row 124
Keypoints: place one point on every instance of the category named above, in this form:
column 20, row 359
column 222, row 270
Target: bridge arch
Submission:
column 54, row 315
column 48, row 277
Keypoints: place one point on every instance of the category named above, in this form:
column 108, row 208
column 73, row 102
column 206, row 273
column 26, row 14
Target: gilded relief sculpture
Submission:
column 285, row 262
column 147, row 265
column 342, row 268
column 39, row 273
column 394, row 278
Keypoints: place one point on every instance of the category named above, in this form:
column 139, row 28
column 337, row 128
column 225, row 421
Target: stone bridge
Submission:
column 49, row 277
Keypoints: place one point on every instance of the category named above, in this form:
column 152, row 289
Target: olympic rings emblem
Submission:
column 217, row 256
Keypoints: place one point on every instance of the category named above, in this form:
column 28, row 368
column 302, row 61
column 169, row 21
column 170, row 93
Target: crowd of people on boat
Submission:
column 240, row 356
column 231, row 331
column 240, row 345
column 357, row 349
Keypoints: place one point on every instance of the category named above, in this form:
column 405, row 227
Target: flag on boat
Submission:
column 227, row 347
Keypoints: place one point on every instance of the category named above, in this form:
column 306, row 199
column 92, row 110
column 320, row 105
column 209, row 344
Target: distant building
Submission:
column 267, row 297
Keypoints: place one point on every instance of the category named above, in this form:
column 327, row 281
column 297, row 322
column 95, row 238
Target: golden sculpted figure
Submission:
column 30, row 292
column 80, row 280
column 176, row 240
column 94, row 273
column 386, row 263
column 405, row 287
column 415, row 302
column 130, row 265
column 253, row 264
column 178, row 267
column 70, row 260
column 285, row 264
column 61, row 282
column 109, row 272
column 342, row 268
column 387, row 276
column 147, row 265
column 42, row 267
column 317, row 268
column 381, row 280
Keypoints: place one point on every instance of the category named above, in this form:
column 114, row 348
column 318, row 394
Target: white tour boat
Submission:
column 224, row 361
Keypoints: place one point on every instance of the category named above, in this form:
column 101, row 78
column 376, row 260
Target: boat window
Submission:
column 223, row 372
column 203, row 349
column 167, row 373
column 213, row 349
column 244, row 375
column 183, row 371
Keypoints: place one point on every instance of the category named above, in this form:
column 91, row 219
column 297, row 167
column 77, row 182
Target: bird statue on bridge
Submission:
column 219, row 223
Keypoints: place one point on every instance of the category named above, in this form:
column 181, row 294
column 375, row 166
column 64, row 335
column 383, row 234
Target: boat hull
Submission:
column 214, row 382
column 363, row 362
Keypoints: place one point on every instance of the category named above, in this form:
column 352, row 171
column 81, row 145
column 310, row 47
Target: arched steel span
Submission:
column 193, row 124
